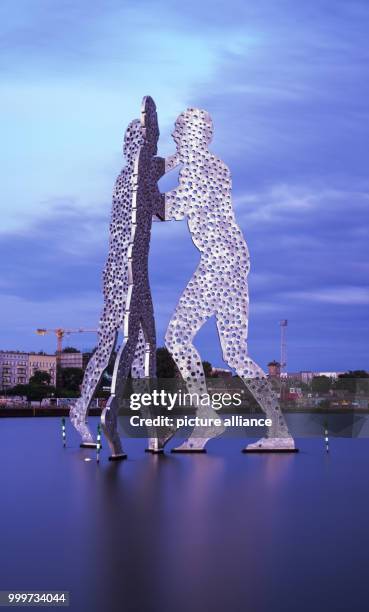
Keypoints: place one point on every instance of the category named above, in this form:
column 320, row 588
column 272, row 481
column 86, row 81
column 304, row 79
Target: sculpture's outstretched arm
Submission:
column 171, row 162
column 174, row 201
column 167, row 206
column 175, row 206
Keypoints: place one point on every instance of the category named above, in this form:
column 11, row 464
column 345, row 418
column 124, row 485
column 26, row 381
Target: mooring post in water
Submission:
column 326, row 438
column 64, row 435
column 98, row 443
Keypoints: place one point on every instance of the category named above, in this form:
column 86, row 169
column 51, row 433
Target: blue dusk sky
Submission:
column 287, row 85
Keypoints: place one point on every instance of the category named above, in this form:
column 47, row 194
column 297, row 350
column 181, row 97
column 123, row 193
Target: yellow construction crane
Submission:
column 60, row 333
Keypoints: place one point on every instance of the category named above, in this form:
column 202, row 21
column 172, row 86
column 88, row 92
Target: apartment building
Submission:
column 16, row 368
column 71, row 360
column 13, row 369
column 46, row 363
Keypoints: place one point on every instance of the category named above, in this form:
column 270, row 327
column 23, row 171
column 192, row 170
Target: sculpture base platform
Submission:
column 88, row 445
column 270, row 450
column 188, row 451
column 159, row 451
column 118, row 457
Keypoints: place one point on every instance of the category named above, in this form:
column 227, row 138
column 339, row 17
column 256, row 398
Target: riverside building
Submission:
column 16, row 367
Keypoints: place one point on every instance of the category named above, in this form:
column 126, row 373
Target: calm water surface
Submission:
column 216, row 532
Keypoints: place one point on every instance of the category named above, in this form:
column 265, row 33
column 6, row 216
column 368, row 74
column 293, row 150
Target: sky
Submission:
column 287, row 85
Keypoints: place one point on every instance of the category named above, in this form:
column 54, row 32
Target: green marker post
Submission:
column 64, row 434
column 98, row 443
column 326, row 438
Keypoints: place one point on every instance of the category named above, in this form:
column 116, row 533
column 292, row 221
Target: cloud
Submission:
column 320, row 228
column 296, row 271
column 286, row 85
column 21, row 318
column 51, row 256
column 334, row 295
column 286, row 203
column 82, row 71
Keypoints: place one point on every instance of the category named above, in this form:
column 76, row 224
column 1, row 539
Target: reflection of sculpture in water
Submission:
column 139, row 315
column 115, row 287
column 219, row 285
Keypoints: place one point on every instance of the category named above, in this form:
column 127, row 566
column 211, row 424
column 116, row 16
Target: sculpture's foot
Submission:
column 192, row 445
column 272, row 445
column 156, row 445
column 201, row 435
column 77, row 415
column 110, row 428
column 118, row 457
column 154, row 450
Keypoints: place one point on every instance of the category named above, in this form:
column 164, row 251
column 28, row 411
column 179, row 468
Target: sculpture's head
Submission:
column 149, row 123
column 133, row 139
column 193, row 131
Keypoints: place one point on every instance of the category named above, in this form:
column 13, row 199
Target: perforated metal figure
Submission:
column 115, row 286
column 219, row 285
column 139, row 316
column 127, row 298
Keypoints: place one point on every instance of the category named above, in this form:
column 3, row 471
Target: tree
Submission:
column 321, row 384
column 165, row 366
column 18, row 390
column 37, row 389
column 70, row 349
column 207, row 368
column 40, row 377
column 71, row 379
column 353, row 381
column 38, row 392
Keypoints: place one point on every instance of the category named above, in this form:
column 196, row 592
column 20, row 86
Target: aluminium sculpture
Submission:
column 127, row 298
column 219, row 285
column 147, row 202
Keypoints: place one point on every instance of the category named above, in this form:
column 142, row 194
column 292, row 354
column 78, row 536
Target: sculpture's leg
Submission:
column 232, row 324
column 278, row 436
column 94, row 371
column 141, row 370
column 158, row 437
column 138, row 365
column 148, row 328
column 123, row 362
column 195, row 306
